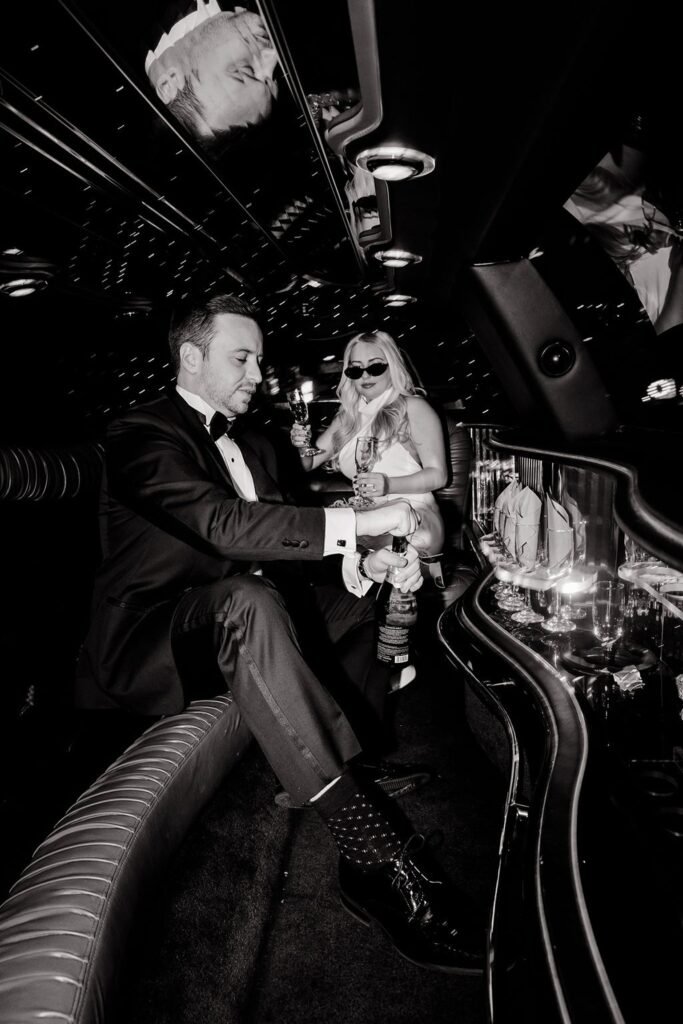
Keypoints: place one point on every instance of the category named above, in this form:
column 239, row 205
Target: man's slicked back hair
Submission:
column 195, row 322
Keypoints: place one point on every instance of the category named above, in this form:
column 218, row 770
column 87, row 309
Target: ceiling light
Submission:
column 397, row 257
column 21, row 286
column 396, row 299
column 12, row 252
column 395, row 163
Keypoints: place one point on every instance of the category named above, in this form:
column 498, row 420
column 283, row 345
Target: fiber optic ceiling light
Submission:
column 22, row 286
column 395, row 163
column 397, row 257
column 396, row 299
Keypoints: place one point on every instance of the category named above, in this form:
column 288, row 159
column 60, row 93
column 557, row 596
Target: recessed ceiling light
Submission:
column 395, row 163
column 22, row 286
column 396, row 299
column 397, row 257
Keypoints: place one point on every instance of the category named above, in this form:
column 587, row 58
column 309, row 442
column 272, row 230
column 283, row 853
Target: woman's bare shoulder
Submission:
column 419, row 407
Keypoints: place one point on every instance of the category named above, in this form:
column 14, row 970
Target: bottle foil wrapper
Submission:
column 628, row 679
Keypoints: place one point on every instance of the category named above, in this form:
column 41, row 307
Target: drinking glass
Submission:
column 366, row 457
column 507, row 596
column 299, row 408
column 526, row 549
column 635, row 554
column 557, row 622
column 559, row 550
column 609, row 604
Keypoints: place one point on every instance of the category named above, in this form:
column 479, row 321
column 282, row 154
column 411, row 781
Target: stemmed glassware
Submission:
column 526, row 550
column 299, row 408
column 508, row 596
column 557, row 622
column 609, row 604
column 559, row 558
column 367, row 450
column 578, row 524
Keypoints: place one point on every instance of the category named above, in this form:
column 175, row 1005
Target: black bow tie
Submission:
column 219, row 425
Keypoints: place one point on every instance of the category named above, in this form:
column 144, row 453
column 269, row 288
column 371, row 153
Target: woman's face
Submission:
column 364, row 354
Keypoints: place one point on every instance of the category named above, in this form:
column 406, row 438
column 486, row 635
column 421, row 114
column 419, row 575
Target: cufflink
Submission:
column 341, row 543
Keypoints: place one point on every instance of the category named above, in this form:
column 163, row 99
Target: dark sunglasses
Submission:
column 374, row 370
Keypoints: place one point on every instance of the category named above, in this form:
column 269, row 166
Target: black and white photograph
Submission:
column 342, row 541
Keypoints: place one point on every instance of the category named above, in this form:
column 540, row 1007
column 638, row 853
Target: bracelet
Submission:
column 361, row 565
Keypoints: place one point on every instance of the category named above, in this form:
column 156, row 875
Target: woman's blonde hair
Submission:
column 391, row 422
column 625, row 243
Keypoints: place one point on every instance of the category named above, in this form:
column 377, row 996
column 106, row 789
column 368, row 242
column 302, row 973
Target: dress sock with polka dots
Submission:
column 362, row 831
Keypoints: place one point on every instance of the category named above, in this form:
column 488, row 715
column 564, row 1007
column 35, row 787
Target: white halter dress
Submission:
column 395, row 460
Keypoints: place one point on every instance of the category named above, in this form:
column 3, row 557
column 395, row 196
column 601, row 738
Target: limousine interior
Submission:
column 499, row 188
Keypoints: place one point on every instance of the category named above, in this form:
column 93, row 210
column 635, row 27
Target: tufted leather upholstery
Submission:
column 49, row 474
column 65, row 925
column 452, row 499
column 49, row 550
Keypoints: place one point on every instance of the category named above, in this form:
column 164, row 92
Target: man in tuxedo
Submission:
column 193, row 525
column 213, row 69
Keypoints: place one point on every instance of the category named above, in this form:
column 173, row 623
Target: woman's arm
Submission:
column 427, row 436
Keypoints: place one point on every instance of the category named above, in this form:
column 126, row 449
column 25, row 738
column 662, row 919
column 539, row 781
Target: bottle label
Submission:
column 393, row 644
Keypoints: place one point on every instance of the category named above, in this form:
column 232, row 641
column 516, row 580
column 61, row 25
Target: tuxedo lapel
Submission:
column 192, row 424
column 266, row 487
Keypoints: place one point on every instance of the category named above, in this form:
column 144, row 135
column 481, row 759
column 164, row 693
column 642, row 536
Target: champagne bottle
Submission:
column 396, row 614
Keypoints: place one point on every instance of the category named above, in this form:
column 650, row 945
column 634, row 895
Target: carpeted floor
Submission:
column 247, row 928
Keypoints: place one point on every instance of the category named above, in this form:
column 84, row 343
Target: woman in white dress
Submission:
column 377, row 397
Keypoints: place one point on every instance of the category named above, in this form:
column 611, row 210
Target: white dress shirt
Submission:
column 340, row 523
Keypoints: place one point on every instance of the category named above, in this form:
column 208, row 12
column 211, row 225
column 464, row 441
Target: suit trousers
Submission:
column 238, row 632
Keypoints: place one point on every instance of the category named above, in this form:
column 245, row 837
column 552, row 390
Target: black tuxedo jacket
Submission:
column 171, row 521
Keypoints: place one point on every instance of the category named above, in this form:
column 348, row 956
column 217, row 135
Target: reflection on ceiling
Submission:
column 115, row 209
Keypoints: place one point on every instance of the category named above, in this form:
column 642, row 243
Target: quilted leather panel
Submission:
column 65, row 924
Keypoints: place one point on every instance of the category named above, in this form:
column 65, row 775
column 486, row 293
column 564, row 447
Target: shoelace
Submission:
column 403, row 878
column 401, row 872
column 432, row 839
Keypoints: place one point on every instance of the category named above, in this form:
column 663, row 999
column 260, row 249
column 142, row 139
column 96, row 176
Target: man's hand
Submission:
column 397, row 518
column 409, row 578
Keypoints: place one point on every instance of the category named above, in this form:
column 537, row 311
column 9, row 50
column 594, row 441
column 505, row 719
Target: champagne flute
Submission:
column 558, row 551
column 501, row 589
column 366, row 457
column 299, row 408
column 609, row 605
column 526, row 549
column 508, row 597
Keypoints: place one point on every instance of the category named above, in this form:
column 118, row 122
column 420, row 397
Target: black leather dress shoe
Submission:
column 393, row 779
column 414, row 905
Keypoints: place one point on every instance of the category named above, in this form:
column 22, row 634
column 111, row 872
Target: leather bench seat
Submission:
column 65, row 926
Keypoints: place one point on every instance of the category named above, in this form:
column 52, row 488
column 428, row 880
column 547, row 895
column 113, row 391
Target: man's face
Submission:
column 232, row 63
column 230, row 370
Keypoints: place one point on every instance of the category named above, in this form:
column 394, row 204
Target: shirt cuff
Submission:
column 340, row 539
column 340, row 532
column 353, row 581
